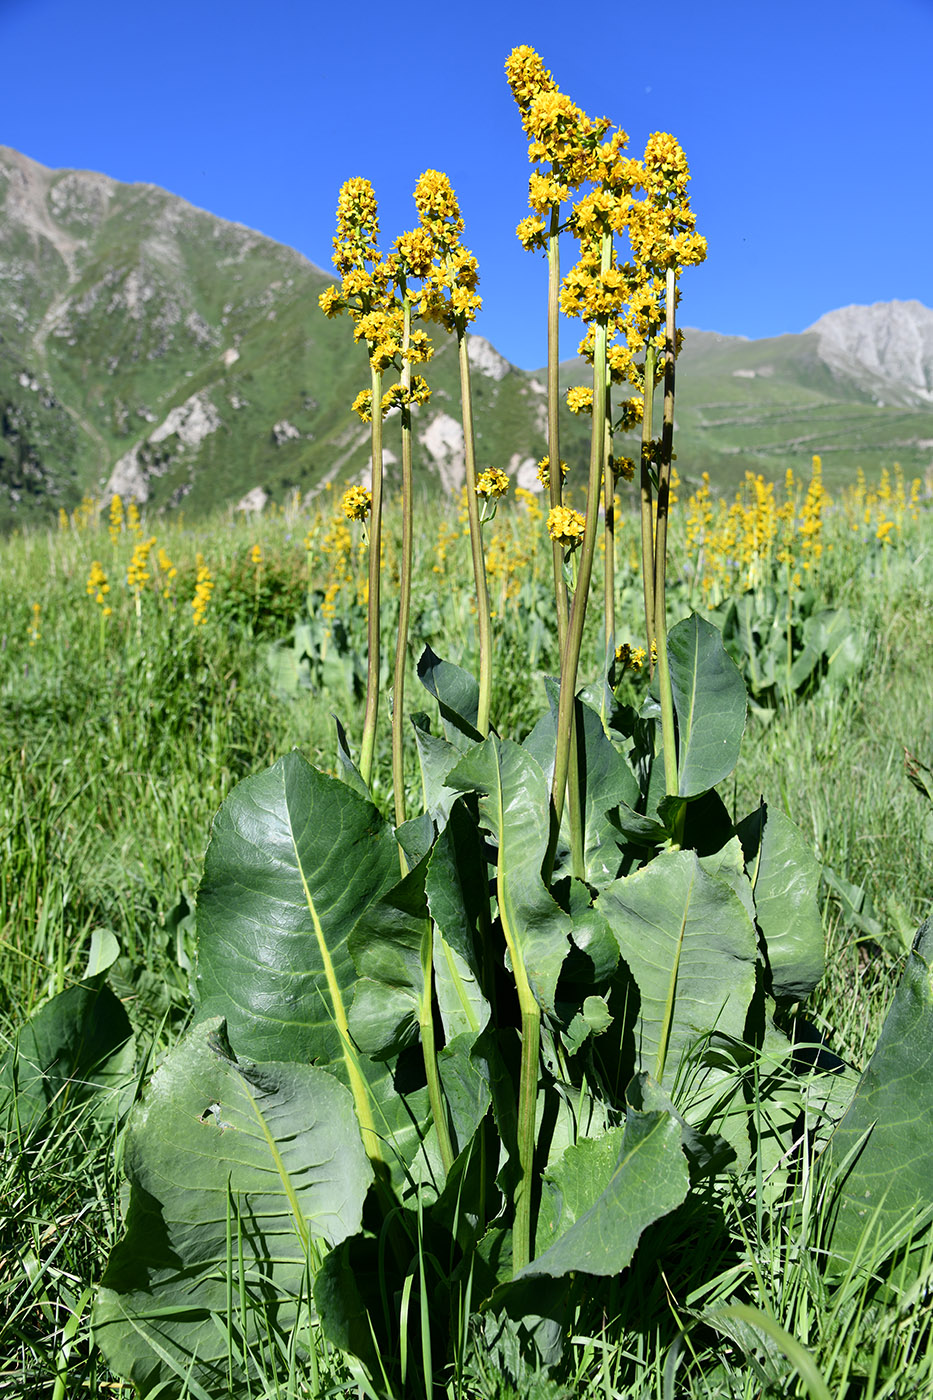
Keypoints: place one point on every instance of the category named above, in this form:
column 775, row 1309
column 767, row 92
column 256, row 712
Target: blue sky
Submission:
column 807, row 126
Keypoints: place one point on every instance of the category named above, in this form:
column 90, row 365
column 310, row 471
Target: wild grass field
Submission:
column 147, row 667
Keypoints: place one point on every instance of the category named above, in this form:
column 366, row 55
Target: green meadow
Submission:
column 123, row 734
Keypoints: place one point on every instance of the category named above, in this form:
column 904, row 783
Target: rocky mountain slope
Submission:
column 149, row 347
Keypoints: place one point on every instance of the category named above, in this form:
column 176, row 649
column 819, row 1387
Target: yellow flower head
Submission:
column 623, row 466
column 255, row 555
column 565, row 526
column 580, row 400
column 415, row 252
column 544, row 471
column 357, row 503
column 630, row 658
column 363, row 404
column 492, row 484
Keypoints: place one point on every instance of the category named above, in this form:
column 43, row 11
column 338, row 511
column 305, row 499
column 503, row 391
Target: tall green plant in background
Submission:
column 448, row 1075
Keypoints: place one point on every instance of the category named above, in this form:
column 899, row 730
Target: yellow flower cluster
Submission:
column 629, row 658
column 97, row 587
column 492, row 484
column 810, row 527
column 168, row 571
column 255, row 556
column 203, row 588
column 561, row 137
column 448, row 291
column 116, row 519
column 357, row 503
column 137, row 572
column 623, row 467
column 882, row 512
column 35, row 624
column 133, row 522
column 364, row 291
column 530, row 501
column 565, row 526
column 544, row 467
column 580, row 399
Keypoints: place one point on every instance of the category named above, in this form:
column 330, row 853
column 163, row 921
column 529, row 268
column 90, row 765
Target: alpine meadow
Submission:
column 464, row 907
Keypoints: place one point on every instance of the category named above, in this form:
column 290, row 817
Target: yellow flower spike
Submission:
column 35, row 629
column 203, row 588
column 116, row 518
column 255, row 556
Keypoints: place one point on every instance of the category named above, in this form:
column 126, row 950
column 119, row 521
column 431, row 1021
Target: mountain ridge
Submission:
column 149, row 347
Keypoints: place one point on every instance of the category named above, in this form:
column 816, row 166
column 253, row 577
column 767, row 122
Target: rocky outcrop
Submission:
column 887, row 348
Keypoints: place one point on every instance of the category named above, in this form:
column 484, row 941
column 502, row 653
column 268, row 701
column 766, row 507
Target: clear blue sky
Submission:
column 807, row 125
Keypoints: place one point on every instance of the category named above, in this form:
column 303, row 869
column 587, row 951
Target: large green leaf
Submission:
column 607, row 782
column 295, row 860
column 457, row 696
column 887, row 1133
column 457, row 891
column 388, row 946
column 436, row 756
column 785, row 875
column 711, row 703
column 691, row 947
column 242, row 1176
column 76, row 1047
column 611, row 1188
column 514, row 807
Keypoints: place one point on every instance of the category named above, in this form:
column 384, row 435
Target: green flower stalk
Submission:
column 364, row 294
column 449, row 297
column 562, row 140
column 593, row 290
column 662, row 232
column 411, row 259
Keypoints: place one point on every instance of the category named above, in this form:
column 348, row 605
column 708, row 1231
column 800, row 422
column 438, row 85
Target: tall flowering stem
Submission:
column 647, row 499
column 373, row 630
column 449, row 297
column 563, row 142
column 671, row 780
column 662, row 231
column 364, row 294
column 571, row 654
column 404, row 599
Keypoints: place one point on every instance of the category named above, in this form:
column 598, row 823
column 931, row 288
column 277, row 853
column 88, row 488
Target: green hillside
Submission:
column 150, row 348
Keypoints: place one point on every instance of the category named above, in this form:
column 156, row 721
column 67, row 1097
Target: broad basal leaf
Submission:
column 710, row 701
column 691, row 948
column 458, row 897
column 242, row 1176
column 889, row 1124
column 75, row 1048
column 388, row 945
column 514, row 808
column 610, row 1189
column 457, row 695
column 786, row 877
column 295, row 859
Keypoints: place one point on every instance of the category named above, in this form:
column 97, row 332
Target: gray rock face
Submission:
column 891, row 341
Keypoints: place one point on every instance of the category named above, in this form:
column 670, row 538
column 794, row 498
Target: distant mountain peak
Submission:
column 890, row 341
